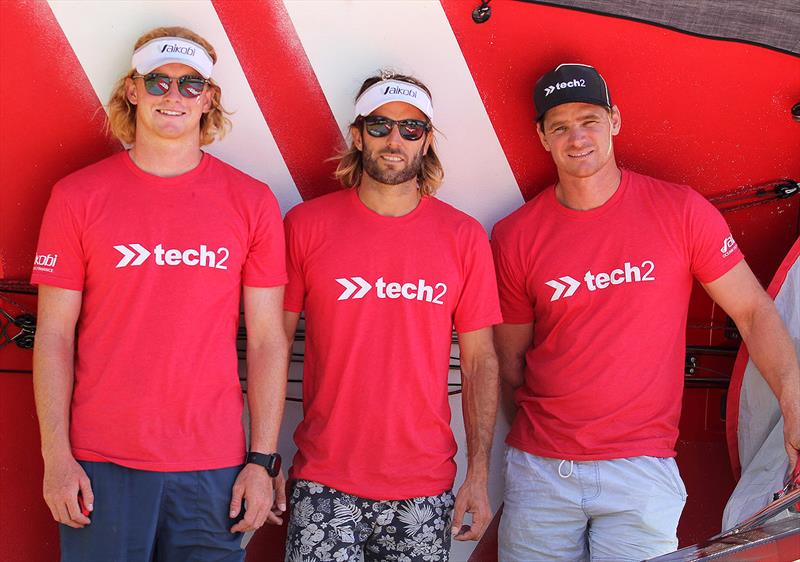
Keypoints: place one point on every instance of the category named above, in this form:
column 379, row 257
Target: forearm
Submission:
column 266, row 392
column 772, row 350
column 53, row 380
column 479, row 403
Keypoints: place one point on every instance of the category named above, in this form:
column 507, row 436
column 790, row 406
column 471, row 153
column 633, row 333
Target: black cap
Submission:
column 569, row 83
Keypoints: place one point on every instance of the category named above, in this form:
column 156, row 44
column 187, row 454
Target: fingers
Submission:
column 254, row 518
column 87, row 494
column 237, row 497
column 458, row 517
column 280, row 492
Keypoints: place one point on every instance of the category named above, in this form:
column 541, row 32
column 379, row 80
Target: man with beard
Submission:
column 383, row 271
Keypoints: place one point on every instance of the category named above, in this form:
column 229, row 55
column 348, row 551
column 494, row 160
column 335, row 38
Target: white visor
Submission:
column 386, row 91
column 166, row 50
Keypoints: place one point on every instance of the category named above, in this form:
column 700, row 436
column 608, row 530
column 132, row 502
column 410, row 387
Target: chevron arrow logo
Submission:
column 571, row 286
column 139, row 252
column 355, row 287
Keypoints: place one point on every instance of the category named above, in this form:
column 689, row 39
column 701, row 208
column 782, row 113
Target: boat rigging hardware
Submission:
column 482, row 13
column 750, row 196
column 27, row 329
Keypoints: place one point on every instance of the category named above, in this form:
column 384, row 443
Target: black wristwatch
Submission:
column 272, row 463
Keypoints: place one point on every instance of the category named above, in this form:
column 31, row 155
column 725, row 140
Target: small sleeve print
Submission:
column 712, row 248
column 266, row 262
column 59, row 260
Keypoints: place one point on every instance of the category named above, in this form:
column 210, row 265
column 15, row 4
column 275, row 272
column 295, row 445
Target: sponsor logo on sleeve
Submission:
column 728, row 246
column 45, row 262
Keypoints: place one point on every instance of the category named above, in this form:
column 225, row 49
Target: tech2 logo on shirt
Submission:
column 135, row 255
column 358, row 287
column 566, row 286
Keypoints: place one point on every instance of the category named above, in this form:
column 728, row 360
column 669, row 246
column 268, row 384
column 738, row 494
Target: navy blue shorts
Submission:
column 145, row 516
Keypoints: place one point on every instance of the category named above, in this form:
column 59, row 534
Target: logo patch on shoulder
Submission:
column 728, row 246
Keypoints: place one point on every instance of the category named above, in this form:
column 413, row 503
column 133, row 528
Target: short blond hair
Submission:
column 350, row 168
column 121, row 121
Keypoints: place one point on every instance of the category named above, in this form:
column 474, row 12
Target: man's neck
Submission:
column 388, row 200
column 584, row 194
column 166, row 158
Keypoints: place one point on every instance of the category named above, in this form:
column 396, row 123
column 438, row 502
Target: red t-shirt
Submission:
column 381, row 296
column 161, row 263
column 607, row 291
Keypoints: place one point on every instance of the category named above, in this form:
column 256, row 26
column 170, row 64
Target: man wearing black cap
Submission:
column 135, row 366
column 595, row 275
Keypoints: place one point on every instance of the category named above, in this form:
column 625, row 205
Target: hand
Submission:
column 64, row 479
column 254, row 487
column 473, row 498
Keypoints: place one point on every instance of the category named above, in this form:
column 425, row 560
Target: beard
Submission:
column 371, row 163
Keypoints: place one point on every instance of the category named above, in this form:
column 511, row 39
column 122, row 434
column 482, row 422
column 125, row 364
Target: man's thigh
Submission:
column 542, row 515
column 636, row 515
column 413, row 530
column 125, row 517
column 194, row 524
column 325, row 524
column 141, row 515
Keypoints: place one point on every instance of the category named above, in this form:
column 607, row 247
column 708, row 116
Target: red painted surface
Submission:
column 286, row 90
column 743, row 135
column 52, row 124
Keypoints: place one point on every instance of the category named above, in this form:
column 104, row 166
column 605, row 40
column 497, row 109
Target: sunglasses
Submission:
column 409, row 129
column 158, row 84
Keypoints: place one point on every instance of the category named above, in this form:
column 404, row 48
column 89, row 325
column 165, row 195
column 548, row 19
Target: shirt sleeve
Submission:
column 265, row 265
column 712, row 249
column 515, row 303
column 60, row 259
column 295, row 289
column 477, row 305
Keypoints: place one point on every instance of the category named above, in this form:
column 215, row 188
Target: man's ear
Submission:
column 358, row 142
column 542, row 138
column 130, row 91
column 616, row 120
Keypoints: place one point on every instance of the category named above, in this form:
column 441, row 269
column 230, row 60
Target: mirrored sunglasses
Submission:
column 157, row 84
column 409, row 129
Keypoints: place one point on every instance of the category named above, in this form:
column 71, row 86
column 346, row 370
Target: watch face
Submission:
column 276, row 465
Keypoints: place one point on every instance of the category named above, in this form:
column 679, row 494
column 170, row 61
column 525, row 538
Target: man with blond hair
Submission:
column 135, row 365
column 384, row 271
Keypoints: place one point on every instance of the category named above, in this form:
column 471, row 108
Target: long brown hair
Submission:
column 350, row 167
column 121, row 121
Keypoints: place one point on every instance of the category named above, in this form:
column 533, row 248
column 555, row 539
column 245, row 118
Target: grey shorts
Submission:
column 618, row 509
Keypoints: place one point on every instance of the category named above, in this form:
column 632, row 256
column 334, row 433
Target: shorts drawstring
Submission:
column 568, row 474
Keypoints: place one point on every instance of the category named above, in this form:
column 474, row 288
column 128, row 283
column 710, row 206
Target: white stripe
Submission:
column 102, row 34
column 348, row 41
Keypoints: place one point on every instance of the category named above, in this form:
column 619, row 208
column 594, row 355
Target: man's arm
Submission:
column 739, row 293
column 267, row 361
column 479, row 402
column 53, row 380
column 512, row 342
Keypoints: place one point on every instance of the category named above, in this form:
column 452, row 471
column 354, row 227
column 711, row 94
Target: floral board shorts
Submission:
column 327, row 524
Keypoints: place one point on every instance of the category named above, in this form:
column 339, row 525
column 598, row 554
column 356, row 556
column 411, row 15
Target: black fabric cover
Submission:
column 772, row 23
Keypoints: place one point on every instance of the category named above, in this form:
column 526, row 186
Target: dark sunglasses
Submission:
column 158, row 84
column 409, row 129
